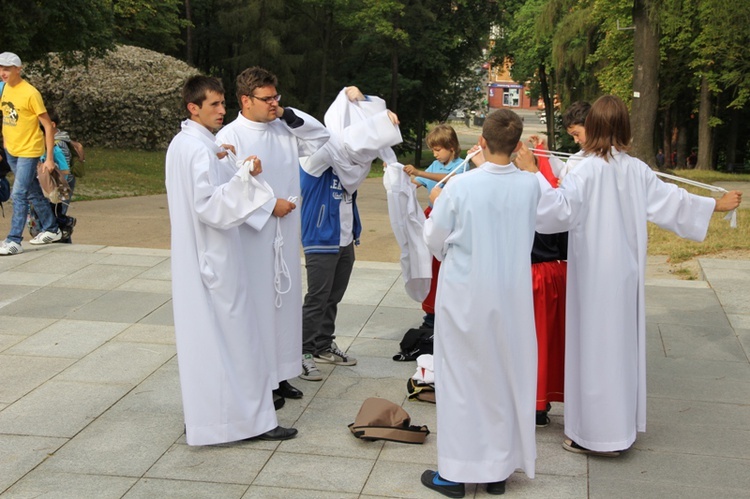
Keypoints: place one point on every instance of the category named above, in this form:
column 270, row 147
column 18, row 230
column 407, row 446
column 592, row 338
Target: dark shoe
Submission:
column 496, row 488
column 431, row 480
column 278, row 433
column 571, row 446
column 278, row 401
column 542, row 419
column 287, row 391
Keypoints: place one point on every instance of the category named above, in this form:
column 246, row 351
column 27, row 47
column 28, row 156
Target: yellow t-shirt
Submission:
column 21, row 106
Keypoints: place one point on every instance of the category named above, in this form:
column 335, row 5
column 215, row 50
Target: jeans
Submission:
column 327, row 280
column 26, row 189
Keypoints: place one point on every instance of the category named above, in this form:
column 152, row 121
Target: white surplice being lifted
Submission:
column 226, row 385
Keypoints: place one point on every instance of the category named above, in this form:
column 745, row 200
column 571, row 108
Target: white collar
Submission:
column 199, row 131
column 495, row 168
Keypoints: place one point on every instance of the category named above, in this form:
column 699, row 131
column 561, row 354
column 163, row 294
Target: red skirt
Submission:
column 428, row 305
column 548, row 279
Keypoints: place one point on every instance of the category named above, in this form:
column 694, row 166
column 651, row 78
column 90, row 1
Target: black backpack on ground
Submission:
column 416, row 341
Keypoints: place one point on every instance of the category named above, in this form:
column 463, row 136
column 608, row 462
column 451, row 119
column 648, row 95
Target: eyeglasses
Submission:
column 268, row 100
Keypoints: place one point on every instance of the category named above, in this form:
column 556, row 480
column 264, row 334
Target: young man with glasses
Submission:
column 271, row 236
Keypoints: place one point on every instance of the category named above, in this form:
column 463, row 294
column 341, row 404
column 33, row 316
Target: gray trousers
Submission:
column 327, row 279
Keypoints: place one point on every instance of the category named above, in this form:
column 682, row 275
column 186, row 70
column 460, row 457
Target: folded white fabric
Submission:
column 425, row 371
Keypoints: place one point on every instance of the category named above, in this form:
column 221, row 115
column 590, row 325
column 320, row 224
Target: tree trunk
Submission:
column 549, row 108
column 419, row 135
column 645, row 82
column 324, row 63
column 189, row 34
column 733, row 135
column 667, row 137
column 682, row 146
column 705, row 139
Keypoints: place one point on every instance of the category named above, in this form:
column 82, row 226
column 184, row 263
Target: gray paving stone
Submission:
column 60, row 262
column 667, row 470
column 366, row 291
column 147, row 333
column 59, row 408
column 98, row 276
column 146, row 286
column 12, row 262
column 259, row 492
column 391, row 323
column 21, row 374
column 397, row 297
column 719, row 263
column 8, row 340
column 58, row 302
column 298, row 471
column 547, row 486
column 355, row 388
column 133, row 260
column 150, row 488
column 620, row 488
column 120, row 306
column 395, row 479
column 666, row 411
column 160, row 272
column 118, row 444
column 68, row 338
column 373, row 347
column 324, row 431
column 23, row 326
column 159, row 393
column 237, row 464
column 20, row 454
column 69, row 486
column 10, row 293
column 352, row 318
column 698, row 439
column 424, row 454
column 119, row 362
column 698, row 342
column 164, row 316
column 29, row 278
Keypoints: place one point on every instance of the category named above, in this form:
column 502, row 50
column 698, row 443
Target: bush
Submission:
column 128, row 99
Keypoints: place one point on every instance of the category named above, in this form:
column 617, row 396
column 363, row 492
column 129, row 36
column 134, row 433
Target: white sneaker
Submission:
column 10, row 248
column 47, row 237
column 310, row 371
column 334, row 355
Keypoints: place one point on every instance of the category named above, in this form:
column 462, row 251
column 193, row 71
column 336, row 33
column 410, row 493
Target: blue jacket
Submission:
column 321, row 226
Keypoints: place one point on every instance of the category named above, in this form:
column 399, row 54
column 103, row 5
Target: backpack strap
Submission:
column 410, row 435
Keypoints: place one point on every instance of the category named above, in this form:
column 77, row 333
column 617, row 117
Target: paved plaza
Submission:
column 90, row 401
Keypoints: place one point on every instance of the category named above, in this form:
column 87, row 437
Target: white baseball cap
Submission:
column 10, row 59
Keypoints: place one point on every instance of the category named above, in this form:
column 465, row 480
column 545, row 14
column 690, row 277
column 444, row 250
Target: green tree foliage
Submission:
column 74, row 28
column 151, row 24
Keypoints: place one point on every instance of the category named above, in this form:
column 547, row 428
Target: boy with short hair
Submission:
column 445, row 147
column 482, row 227
column 23, row 111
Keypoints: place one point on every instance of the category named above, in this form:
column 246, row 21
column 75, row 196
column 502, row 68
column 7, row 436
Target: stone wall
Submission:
column 129, row 99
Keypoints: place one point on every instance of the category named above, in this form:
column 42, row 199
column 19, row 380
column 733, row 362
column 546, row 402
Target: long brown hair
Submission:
column 607, row 125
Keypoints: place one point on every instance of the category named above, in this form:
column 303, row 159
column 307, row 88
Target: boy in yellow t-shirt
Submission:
column 23, row 110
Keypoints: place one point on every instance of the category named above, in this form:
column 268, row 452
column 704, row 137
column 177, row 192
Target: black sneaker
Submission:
column 542, row 420
column 432, row 480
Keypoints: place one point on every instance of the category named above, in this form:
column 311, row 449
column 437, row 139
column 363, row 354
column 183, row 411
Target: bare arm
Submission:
column 49, row 141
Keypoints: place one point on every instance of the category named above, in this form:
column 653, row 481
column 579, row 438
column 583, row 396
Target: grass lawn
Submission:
column 119, row 173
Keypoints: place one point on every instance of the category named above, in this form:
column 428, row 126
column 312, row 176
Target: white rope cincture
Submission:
column 731, row 216
column 459, row 167
column 280, row 268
